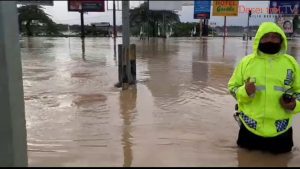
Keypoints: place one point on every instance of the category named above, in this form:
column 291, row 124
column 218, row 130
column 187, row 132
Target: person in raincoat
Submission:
column 266, row 85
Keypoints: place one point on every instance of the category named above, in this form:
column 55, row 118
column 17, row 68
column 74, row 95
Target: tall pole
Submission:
column 148, row 11
column 83, row 48
column 82, row 24
column 164, row 25
column 125, row 23
column 224, row 37
column 206, row 27
column 200, row 28
column 114, row 18
column 13, row 142
column 126, row 41
column 114, row 27
column 248, row 29
column 225, row 28
column 224, row 47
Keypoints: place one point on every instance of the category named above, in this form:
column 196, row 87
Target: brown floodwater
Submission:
column 178, row 114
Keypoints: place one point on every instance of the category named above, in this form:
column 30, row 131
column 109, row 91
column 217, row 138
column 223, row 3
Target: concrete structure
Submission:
column 13, row 144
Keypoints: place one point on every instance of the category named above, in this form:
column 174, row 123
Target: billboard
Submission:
column 286, row 23
column 225, row 8
column 202, row 9
column 165, row 5
column 46, row 3
column 284, row 7
column 86, row 5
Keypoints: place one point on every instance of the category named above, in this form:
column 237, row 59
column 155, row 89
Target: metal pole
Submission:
column 225, row 28
column 83, row 48
column 224, row 47
column 200, row 28
column 148, row 11
column 125, row 23
column 114, row 27
column 212, row 29
column 206, row 27
column 82, row 24
column 164, row 24
column 114, row 18
column 248, row 29
column 249, row 14
column 13, row 142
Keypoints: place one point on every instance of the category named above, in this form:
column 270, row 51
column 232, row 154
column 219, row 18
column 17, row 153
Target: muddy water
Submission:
column 179, row 114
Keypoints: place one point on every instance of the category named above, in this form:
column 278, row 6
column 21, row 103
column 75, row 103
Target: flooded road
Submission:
column 179, row 113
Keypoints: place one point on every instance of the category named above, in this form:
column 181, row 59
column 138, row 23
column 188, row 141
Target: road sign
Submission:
column 202, row 9
column 225, row 8
column 86, row 5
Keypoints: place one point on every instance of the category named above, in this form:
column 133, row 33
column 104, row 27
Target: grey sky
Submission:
column 60, row 14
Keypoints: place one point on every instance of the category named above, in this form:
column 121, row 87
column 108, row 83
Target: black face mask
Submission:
column 269, row 47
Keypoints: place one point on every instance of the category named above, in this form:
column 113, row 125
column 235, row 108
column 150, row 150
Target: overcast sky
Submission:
column 60, row 14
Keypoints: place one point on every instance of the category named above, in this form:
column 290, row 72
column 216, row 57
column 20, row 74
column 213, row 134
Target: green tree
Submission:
column 30, row 15
column 140, row 16
column 184, row 29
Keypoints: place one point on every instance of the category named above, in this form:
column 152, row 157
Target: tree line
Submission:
column 34, row 21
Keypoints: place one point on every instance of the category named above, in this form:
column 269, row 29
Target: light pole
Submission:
column 225, row 27
column 114, row 27
column 82, row 23
column 248, row 29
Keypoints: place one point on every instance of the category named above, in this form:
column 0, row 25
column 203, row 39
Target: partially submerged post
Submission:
column 122, row 69
column 13, row 143
column 200, row 28
column 82, row 24
column 126, row 42
column 126, row 64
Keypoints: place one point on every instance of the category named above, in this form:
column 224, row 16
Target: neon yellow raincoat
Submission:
column 262, row 113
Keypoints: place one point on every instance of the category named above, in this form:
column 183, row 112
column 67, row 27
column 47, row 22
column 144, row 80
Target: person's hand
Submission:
column 290, row 105
column 250, row 87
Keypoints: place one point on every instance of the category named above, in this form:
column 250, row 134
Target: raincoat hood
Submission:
column 265, row 28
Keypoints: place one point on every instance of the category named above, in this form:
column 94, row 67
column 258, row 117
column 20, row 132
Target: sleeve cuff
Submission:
column 297, row 108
